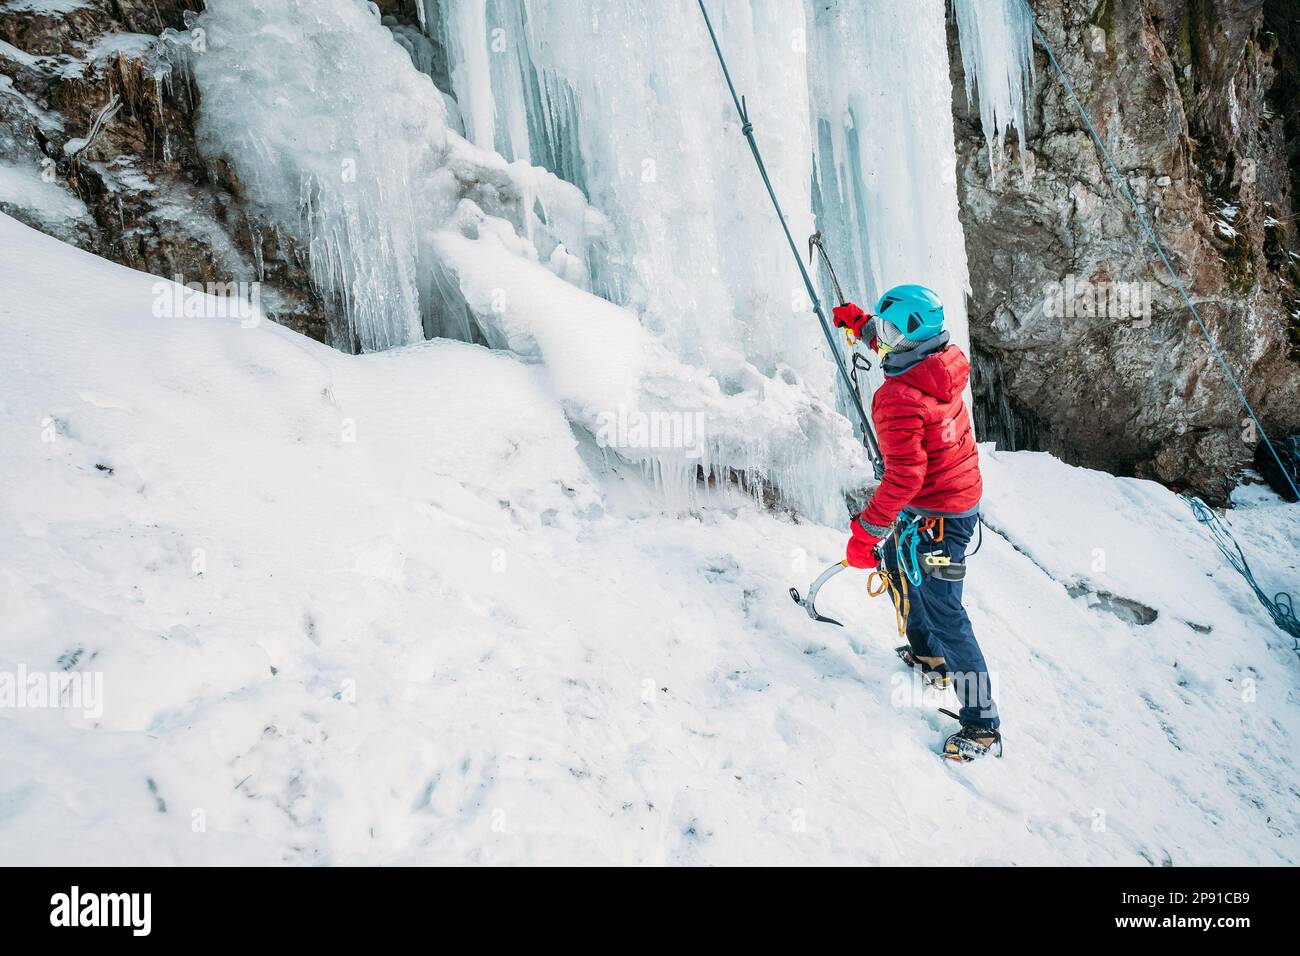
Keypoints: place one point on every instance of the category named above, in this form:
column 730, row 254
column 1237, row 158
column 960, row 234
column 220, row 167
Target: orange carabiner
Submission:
column 928, row 526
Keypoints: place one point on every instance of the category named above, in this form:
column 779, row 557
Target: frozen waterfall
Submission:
column 601, row 213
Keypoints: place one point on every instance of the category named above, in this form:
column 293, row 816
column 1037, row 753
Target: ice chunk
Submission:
column 620, row 383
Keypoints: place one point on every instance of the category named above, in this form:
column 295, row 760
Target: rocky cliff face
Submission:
column 1192, row 98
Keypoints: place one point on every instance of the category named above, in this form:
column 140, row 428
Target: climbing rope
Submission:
column 905, row 547
column 880, row 580
column 1280, row 606
column 1150, row 234
column 747, row 128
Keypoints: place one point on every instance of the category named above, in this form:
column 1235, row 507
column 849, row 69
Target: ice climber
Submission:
column 920, row 519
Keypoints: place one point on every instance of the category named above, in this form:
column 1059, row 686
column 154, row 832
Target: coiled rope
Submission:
column 1281, row 606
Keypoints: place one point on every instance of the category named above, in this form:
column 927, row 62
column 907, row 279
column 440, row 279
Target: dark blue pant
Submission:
column 937, row 625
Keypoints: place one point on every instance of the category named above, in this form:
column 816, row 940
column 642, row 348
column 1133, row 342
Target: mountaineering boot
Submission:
column 971, row 742
column 936, row 675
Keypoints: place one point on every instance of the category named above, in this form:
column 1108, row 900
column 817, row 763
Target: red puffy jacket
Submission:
column 924, row 429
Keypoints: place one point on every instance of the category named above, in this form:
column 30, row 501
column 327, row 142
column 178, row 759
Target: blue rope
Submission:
column 1150, row 233
column 1280, row 606
column 908, row 541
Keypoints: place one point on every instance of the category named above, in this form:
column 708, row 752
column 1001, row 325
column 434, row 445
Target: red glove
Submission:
column 849, row 316
column 861, row 552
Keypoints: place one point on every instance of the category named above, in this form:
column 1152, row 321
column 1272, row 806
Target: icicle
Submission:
column 997, row 57
column 471, row 74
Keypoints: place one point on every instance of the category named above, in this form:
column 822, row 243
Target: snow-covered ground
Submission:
column 394, row 608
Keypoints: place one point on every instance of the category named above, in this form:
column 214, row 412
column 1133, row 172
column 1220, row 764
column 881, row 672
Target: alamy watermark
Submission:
column 73, row 690
column 654, row 431
column 1080, row 298
column 974, row 688
column 208, row 300
column 75, row 908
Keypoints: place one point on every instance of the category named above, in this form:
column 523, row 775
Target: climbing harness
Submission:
column 1151, row 235
column 916, row 561
column 747, row 129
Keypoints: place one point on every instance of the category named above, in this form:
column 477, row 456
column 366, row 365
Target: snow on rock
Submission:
column 46, row 7
column 392, row 608
column 24, row 187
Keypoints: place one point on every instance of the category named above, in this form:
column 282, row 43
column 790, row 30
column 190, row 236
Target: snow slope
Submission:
column 435, row 623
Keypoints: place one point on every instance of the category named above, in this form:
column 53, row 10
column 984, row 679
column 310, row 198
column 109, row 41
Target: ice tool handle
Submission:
column 815, row 243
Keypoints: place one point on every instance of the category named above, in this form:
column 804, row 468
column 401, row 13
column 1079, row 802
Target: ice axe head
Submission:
column 809, row 603
column 815, row 243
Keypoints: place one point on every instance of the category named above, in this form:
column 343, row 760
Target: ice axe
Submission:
column 815, row 242
column 860, row 362
column 809, row 603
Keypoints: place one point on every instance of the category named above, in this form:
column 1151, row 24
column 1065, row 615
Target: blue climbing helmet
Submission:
column 908, row 314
